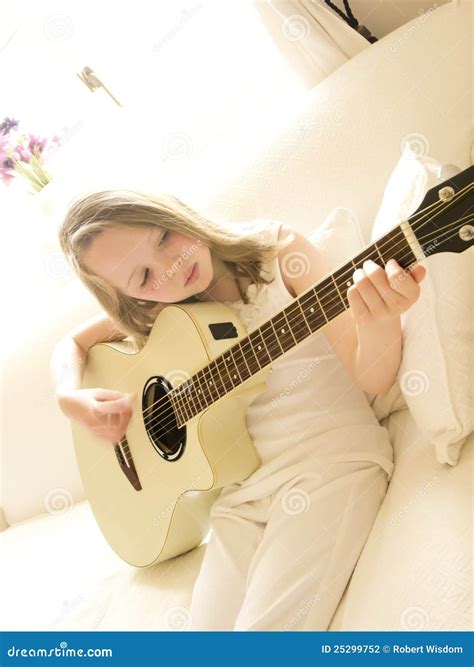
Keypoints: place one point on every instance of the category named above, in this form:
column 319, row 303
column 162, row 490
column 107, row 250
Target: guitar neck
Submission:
column 303, row 317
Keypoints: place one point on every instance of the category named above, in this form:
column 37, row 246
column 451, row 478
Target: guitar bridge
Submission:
column 126, row 463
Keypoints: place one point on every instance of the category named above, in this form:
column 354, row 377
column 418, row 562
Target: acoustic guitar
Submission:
column 151, row 493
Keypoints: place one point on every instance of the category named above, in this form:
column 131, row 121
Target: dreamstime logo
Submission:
column 56, row 265
column 178, row 618
column 177, row 146
column 295, row 27
column 417, row 144
column 295, row 264
column 414, row 382
column 414, row 618
column 58, row 27
column 295, row 501
column 181, row 381
column 58, row 501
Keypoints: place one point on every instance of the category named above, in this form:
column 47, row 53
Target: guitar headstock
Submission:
column 444, row 221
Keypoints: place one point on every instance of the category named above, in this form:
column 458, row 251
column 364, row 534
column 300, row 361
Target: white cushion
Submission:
column 415, row 572
column 69, row 587
column 339, row 237
column 435, row 374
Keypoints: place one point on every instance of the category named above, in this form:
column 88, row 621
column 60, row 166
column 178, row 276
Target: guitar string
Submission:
column 333, row 301
column 217, row 360
column 336, row 300
column 172, row 411
column 414, row 220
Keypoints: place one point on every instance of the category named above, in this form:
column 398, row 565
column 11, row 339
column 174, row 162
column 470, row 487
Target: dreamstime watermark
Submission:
column 176, row 146
column 295, row 264
column 302, row 612
column 414, row 618
column 61, row 651
column 187, row 252
column 58, row 27
column 417, row 145
column 295, row 27
column 165, row 513
column 56, row 265
column 414, row 382
column 58, row 501
column 414, row 501
column 295, row 501
column 300, row 376
column 178, row 618
column 414, row 27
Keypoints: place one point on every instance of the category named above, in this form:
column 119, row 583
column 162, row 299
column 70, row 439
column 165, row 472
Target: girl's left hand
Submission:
column 379, row 294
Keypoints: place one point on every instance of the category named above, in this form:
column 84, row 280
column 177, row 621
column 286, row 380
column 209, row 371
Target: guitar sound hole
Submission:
column 159, row 418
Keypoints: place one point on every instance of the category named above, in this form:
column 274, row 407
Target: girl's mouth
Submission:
column 193, row 275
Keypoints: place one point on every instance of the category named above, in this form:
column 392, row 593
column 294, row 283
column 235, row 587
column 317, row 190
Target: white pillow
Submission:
column 435, row 374
column 339, row 237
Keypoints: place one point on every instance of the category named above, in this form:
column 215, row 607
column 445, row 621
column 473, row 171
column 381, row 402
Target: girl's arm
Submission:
column 367, row 337
column 70, row 353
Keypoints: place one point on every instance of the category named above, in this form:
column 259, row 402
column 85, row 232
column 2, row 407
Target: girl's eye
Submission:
column 145, row 275
column 145, row 278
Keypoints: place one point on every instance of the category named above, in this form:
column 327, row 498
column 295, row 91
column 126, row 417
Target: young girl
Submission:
column 284, row 541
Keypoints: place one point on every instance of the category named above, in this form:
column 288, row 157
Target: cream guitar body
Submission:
column 169, row 514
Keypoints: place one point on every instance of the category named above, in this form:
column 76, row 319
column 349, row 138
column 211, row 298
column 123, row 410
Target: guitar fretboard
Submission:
column 304, row 316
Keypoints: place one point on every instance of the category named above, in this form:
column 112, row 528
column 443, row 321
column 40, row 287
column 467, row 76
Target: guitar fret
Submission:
column 273, row 345
column 175, row 404
column 304, row 318
column 338, row 292
column 210, row 387
column 297, row 322
column 244, row 370
column 216, row 364
column 236, row 368
column 228, row 384
column 261, row 347
column 186, row 407
column 320, row 306
column 199, row 395
column 282, row 332
column 290, row 328
column 379, row 254
column 248, row 344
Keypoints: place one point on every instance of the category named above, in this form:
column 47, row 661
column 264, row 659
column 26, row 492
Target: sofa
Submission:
column 337, row 149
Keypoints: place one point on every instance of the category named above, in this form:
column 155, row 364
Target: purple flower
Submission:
column 7, row 125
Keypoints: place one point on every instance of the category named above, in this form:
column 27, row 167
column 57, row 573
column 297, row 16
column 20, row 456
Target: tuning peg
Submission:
column 447, row 171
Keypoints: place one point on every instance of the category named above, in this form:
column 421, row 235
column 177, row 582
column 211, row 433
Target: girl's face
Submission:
column 150, row 263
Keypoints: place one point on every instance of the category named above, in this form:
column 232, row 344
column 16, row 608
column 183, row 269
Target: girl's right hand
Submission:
column 104, row 412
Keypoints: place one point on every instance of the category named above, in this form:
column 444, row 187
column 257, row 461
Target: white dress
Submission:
column 302, row 518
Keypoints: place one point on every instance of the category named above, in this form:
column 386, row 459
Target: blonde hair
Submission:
column 244, row 247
